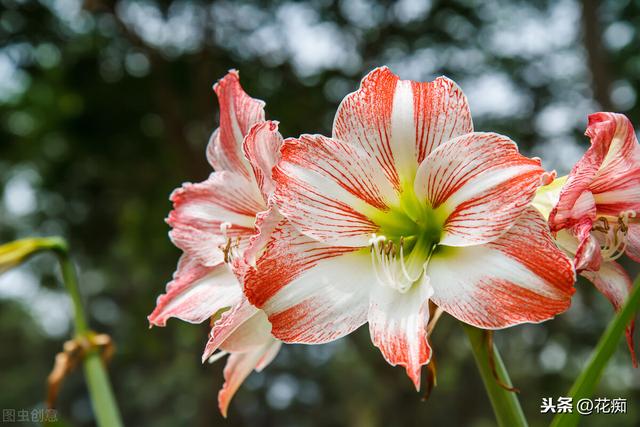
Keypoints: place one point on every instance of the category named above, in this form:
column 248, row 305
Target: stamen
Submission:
column 404, row 268
column 602, row 228
column 224, row 227
column 376, row 256
column 390, row 266
column 226, row 250
column 375, row 240
column 230, row 249
column 615, row 235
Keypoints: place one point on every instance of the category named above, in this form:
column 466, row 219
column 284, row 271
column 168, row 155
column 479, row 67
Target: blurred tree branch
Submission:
column 597, row 55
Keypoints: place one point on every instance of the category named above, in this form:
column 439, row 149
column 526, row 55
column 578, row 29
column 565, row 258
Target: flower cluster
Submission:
column 403, row 213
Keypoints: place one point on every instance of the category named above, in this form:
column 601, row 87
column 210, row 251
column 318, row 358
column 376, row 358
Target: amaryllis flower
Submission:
column 214, row 223
column 404, row 205
column 595, row 216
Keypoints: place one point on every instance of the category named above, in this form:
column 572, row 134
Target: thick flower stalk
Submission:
column 405, row 205
column 594, row 210
column 218, row 223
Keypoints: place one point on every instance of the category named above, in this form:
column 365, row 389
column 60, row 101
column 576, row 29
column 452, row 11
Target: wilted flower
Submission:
column 405, row 204
column 218, row 223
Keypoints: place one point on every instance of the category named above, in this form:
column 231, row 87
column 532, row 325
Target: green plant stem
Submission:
column 102, row 399
column 506, row 406
column 70, row 280
column 104, row 404
column 585, row 384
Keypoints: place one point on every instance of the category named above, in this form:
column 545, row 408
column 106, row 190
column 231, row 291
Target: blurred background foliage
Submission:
column 105, row 107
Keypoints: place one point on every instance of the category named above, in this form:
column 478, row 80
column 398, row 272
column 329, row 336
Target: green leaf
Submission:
column 587, row 381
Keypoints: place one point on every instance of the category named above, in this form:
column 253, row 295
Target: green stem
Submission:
column 102, row 399
column 70, row 280
column 506, row 406
column 588, row 379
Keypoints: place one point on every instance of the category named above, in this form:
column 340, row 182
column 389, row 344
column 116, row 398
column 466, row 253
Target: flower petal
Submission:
column 401, row 121
column 398, row 326
column 201, row 211
column 567, row 241
column 230, row 321
column 588, row 254
column 520, row 277
column 269, row 355
column 547, row 196
column 480, row 183
column 582, row 214
column 312, row 293
column 633, row 242
column 329, row 189
column 616, row 185
column 196, row 293
column 238, row 113
column 238, row 368
column 610, row 170
column 252, row 333
column 614, row 283
column 262, row 148
column 266, row 222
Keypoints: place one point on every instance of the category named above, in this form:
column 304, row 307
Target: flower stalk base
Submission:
column 506, row 406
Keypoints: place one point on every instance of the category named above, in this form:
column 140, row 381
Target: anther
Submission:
column 615, row 239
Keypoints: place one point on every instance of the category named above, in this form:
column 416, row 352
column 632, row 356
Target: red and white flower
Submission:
column 219, row 223
column 404, row 205
column 595, row 215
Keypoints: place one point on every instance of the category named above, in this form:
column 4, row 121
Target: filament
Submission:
column 615, row 235
column 389, row 264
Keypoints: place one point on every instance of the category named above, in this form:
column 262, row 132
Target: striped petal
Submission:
column 238, row 368
column 633, row 242
column 312, row 293
column 399, row 122
column 609, row 170
column 520, row 277
column 252, row 333
column 238, row 113
column 269, row 355
column 616, row 185
column 398, row 326
column 588, row 254
column 480, row 183
column 230, row 321
column 329, row 189
column 262, row 148
column 266, row 223
column 614, row 283
column 196, row 293
column 207, row 213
